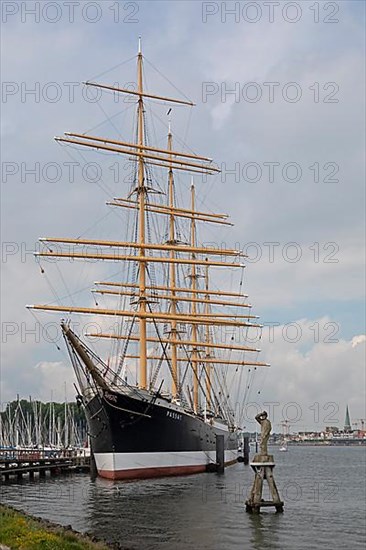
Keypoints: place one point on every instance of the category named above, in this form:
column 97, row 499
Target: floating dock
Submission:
column 14, row 464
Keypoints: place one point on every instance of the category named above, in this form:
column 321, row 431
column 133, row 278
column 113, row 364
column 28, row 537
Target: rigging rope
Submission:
column 166, row 78
column 112, row 68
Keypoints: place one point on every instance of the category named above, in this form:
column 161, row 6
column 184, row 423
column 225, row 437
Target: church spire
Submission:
column 347, row 421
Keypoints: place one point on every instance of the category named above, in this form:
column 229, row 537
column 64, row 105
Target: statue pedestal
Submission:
column 263, row 466
column 260, row 459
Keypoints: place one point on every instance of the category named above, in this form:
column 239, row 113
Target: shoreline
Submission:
column 19, row 529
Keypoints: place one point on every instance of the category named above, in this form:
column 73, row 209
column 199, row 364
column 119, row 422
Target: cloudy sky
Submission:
column 279, row 92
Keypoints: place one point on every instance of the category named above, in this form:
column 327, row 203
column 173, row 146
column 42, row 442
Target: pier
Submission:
column 16, row 464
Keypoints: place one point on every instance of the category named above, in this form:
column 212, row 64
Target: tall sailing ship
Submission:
column 170, row 321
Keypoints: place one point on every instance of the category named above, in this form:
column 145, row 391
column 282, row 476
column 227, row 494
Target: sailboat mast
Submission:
column 207, row 338
column 50, row 421
column 172, row 276
column 141, row 205
column 194, row 308
column 66, row 421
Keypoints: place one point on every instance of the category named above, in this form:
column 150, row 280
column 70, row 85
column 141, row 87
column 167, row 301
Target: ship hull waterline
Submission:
column 135, row 438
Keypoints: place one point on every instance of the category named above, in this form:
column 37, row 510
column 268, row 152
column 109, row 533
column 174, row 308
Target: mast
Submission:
column 207, row 341
column 193, row 307
column 144, row 252
column 50, row 427
column 141, row 190
column 172, row 276
column 66, row 421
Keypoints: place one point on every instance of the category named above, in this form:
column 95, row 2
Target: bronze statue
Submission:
column 263, row 465
column 266, row 427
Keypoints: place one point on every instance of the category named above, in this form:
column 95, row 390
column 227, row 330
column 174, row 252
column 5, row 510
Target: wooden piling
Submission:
column 246, row 450
column 262, row 466
column 93, row 466
column 220, row 454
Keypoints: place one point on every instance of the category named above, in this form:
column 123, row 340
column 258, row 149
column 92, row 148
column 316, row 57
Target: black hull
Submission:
column 135, row 437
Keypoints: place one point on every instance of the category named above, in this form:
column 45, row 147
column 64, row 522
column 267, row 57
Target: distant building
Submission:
column 331, row 429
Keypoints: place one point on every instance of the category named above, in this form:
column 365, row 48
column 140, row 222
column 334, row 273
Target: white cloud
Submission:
column 358, row 340
column 319, row 373
column 56, row 377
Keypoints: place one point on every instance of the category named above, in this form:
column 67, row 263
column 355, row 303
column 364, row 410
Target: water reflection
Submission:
column 264, row 530
column 175, row 512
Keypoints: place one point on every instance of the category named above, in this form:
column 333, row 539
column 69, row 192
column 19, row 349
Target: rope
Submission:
column 163, row 346
column 166, row 78
column 112, row 68
column 123, row 355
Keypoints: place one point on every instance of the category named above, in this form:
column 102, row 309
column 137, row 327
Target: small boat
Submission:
column 286, row 427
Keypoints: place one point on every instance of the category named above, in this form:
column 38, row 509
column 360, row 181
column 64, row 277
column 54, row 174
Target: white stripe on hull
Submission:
column 135, row 465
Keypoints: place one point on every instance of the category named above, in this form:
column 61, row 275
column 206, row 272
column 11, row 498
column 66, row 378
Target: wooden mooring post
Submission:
column 220, row 454
column 246, row 450
column 93, row 467
column 263, row 466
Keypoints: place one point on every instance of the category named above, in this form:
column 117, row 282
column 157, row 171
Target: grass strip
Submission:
column 19, row 531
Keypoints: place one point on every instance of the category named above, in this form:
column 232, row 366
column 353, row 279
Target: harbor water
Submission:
column 324, row 490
